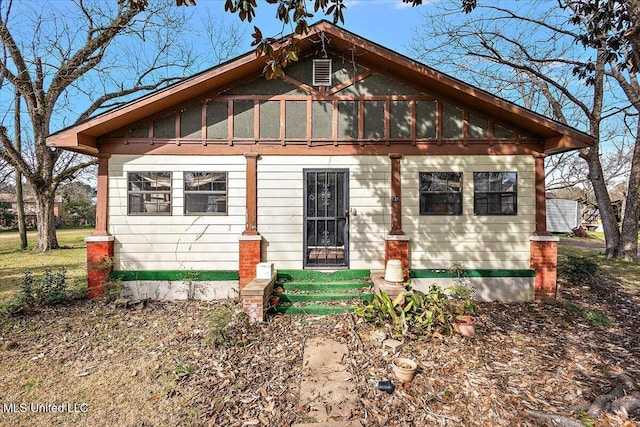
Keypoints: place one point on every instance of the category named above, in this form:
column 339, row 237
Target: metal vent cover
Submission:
column 322, row 72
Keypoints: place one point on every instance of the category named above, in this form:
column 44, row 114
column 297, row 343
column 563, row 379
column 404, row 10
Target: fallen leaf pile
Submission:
column 191, row 363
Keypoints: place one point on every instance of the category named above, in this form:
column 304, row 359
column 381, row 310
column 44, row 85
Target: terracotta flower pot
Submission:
column 274, row 300
column 465, row 326
column 404, row 369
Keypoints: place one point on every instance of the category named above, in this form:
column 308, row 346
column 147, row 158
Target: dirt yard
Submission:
column 169, row 364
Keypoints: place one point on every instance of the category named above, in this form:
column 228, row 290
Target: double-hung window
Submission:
column 149, row 193
column 440, row 193
column 495, row 193
column 205, row 193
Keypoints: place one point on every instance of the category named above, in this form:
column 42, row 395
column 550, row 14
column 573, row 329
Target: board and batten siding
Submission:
column 281, row 207
column 475, row 241
column 176, row 241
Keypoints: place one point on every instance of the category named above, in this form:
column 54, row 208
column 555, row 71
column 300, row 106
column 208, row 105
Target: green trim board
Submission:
column 323, row 286
column 175, row 275
column 284, row 298
column 471, row 273
column 322, row 276
column 316, row 310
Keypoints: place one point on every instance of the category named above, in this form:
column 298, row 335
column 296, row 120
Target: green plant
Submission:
column 190, row 279
column 31, row 384
column 50, row 289
column 182, row 371
column 25, row 296
column 592, row 316
column 585, row 420
column 53, row 287
column 114, row 289
column 226, row 324
column 104, row 262
column 579, row 269
column 462, row 299
column 433, row 312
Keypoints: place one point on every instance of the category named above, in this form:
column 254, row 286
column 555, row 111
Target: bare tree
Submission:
column 529, row 55
column 70, row 60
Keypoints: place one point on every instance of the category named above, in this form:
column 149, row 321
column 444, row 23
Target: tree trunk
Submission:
column 47, row 239
column 628, row 248
column 22, row 226
column 607, row 214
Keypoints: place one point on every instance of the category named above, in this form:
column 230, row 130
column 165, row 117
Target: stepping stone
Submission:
column 327, row 387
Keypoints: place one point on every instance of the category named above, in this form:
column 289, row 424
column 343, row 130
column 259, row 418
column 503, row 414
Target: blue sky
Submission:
column 390, row 23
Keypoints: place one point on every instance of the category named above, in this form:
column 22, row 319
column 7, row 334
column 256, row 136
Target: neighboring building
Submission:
column 30, row 209
column 563, row 215
column 351, row 159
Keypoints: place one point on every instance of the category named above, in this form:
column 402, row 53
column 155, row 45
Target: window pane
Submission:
column 270, row 119
column 495, row 193
column 451, row 121
column 205, row 181
column 217, row 113
column 501, row 132
column 205, row 192
column 243, row 119
column 400, row 112
column 322, row 120
column 205, row 203
column 165, row 127
column 149, row 181
column 374, row 119
column 149, row 192
column 478, row 127
column 441, row 193
column 191, row 122
column 348, row 119
column 426, row 119
column 140, row 130
column 296, row 125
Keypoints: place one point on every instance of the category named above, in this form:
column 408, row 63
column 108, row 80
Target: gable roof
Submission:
column 83, row 137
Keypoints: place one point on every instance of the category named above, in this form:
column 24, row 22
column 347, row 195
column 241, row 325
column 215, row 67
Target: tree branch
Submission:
column 70, row 172
column 86, row 58
column 98, row 103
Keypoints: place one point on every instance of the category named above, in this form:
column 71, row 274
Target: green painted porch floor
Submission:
column 319, row 294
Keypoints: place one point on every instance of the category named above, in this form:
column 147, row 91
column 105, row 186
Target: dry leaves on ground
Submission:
column 176, row 364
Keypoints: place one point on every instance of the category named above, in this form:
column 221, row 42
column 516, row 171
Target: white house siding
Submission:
column 476, row 242
column 281, row 201
column 178, row 241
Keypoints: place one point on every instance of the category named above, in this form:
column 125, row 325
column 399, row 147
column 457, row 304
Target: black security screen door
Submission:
column 326, row 217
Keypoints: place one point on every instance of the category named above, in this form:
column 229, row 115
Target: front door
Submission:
column 326, row 218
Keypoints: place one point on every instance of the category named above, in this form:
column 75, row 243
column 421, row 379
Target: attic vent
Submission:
column 322, row 72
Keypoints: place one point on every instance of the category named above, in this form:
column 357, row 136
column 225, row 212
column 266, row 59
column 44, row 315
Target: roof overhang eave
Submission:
column 565, row 142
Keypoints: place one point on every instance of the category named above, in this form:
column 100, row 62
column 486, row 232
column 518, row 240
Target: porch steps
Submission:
column 320, row 294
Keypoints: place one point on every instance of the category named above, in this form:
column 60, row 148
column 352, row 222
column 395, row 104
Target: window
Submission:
column 149, row 193
column 495, row 193
column 205, row 193
column 440, row 193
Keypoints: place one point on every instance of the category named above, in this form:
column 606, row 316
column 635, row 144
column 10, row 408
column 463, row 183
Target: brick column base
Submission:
column 396, row 246
column 250, row 256
column 99, row 263
column 544, row 261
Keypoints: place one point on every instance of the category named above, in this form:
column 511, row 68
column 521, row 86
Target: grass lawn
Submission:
column 624, row 273
column 14, row 262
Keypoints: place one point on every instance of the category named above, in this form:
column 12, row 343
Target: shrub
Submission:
column 433, row 313
column 50, row 289
column 579, row 270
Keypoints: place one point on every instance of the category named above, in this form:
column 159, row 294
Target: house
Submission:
column 357, row 156
column 11, row 201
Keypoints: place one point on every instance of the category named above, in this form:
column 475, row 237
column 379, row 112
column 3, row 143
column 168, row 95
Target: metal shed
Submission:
column 563, row 215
